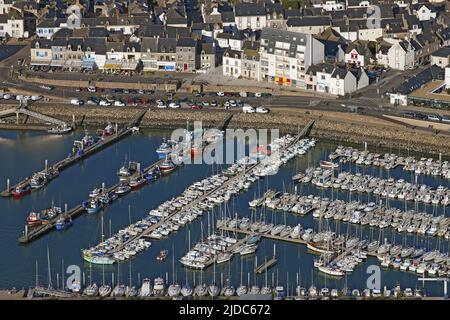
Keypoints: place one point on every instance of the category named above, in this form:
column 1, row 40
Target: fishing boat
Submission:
column 38, row 180
column 61, row 129
column 137, row 182
column 108, row 131
column 162, row 255
column 167, row 166
column 34, row 219
column 63, row 223
column 122, row 189
column 21, row 191
column 164, row 149
column 127, row 170
column 153, row 174
column 93, row 206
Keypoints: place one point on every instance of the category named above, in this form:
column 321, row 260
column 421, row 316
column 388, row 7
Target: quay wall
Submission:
column 337, row 126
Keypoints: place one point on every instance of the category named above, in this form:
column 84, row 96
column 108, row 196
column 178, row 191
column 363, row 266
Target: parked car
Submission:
column 45, row 87
column 221, row 94
column 214, row 103
column 119, row 103
column 76, row 102
column 434, row 117
column 205, row 104
column 408, row 114
column 174, row 105
column 243, row 94
column 8, row 96
column 445, row 119
column 161, row 106
column 92, row 89
column 104, row 103
column 262, row 110
column 36, row 97
column 248, row 108
column 196, row 107
column 258, row 95
column 92, row 101
column 232, row 103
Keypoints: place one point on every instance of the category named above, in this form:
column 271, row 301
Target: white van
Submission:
column 76, row 102
column 248, row 108
column 243, row 94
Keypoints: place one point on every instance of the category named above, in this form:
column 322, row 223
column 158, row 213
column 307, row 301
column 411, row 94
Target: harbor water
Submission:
column 23, row 153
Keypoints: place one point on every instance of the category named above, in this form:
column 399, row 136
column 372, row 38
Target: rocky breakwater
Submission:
column 348, row 127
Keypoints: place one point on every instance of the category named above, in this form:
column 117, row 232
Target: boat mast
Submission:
column 37, row 275
column 49, row 271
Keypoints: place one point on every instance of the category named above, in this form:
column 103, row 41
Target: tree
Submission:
column 293, row 4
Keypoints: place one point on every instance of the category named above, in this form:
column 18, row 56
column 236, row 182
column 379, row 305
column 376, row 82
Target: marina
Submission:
column 199, row 197
column 84, row 150
column 290, row 256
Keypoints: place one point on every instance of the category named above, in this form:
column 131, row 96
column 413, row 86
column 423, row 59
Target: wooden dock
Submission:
column 71, row 160
column 266, row 265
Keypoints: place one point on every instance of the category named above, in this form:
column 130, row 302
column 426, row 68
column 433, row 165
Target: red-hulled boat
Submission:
column 20, row 191
column 167, row 166
column 34, row 219
column 137, row 182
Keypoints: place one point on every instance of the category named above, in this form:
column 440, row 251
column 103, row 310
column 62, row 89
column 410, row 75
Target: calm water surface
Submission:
column 23, row 153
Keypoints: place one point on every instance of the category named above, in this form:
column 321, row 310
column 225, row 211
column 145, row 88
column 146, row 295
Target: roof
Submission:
column 443, row 52
column 321, row 67
column 308, row 21
column 233, row 53
column 227, row 16
column 423, row 77
column 186, row 42
column 249, row 9
column 269, row 37
column 445, row 33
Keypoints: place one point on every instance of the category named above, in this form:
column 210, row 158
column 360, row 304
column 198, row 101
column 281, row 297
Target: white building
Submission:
column 232, row 63
column 285, row 56
column 250, row 16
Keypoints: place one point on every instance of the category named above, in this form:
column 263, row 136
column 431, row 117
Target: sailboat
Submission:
column 104, row 290
column 186, row 290
column 174, row 289
column 131, row 290
column 119, row 289
column 92, row 289
column 242, row 289
column 213, row 289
